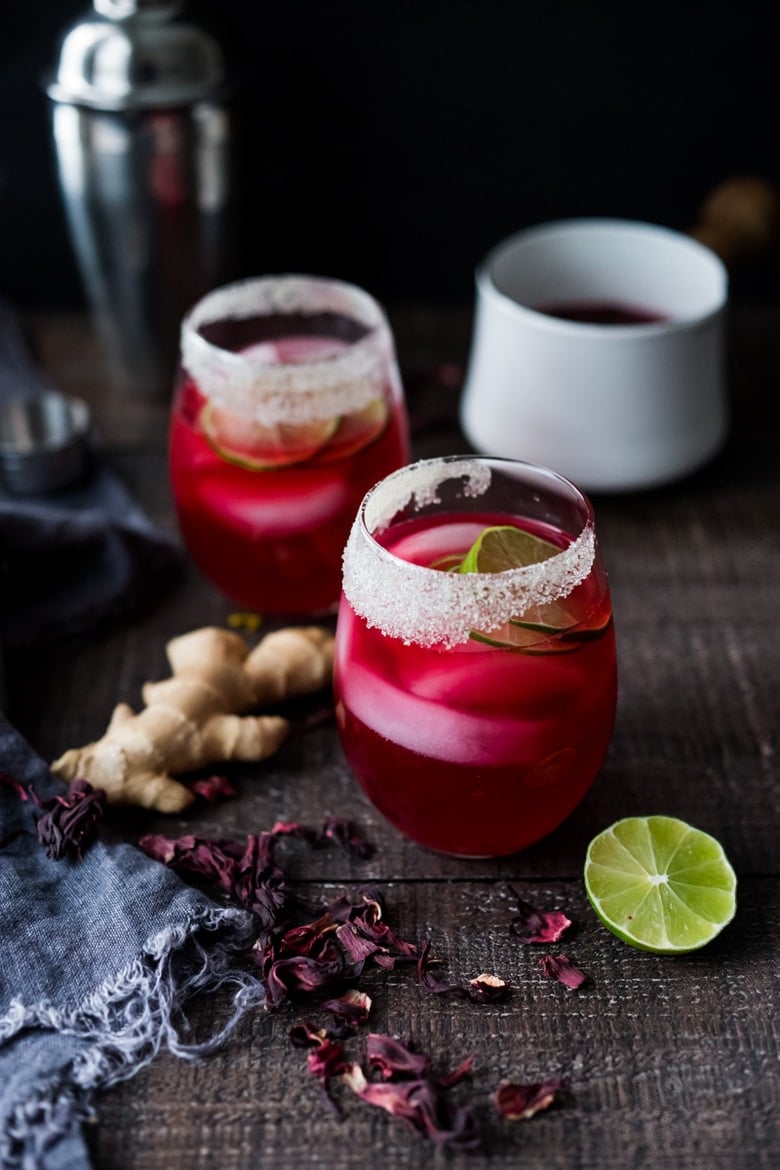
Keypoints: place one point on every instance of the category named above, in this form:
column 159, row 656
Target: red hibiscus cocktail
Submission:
column 475, row 654
column 288, row 406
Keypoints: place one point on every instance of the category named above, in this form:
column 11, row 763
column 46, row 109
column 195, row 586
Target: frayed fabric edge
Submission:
column 124, row 1023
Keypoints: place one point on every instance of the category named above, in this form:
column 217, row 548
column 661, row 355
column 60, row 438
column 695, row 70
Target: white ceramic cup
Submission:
column 614, row 407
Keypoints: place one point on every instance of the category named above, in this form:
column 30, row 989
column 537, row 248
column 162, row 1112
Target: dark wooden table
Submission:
column 673, row 1062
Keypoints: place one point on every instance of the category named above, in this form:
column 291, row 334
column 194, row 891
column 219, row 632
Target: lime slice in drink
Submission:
column 256, row 447
column 554, row 628
column 659, row 884
column 355, row 431
column 504, row 547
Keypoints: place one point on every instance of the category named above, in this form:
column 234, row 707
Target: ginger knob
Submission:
column 198, row 716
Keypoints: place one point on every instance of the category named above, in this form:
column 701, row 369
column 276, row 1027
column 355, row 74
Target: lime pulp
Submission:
column 659, row 884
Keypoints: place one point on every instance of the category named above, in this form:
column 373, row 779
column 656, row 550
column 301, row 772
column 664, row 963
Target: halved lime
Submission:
column 659, row 884
column 257, row 447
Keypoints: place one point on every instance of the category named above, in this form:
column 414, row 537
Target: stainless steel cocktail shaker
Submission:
column 144, row 135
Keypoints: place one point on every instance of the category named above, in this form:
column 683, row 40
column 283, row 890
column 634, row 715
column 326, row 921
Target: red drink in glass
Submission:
column 475, row 716
column 288, row 406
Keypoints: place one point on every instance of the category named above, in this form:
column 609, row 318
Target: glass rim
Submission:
column 269, row 392
column 426, row 606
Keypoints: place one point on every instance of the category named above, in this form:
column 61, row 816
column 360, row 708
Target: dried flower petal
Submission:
column 70, row 821
column 351, row 1009
column 326, row 1058
column 343, row 833
column 537, row 926
column 429, row 981
column 20, row 790
column 16, row 785
column 421, row 1104
column 489, row 988
column 392, row 1059
column 366, row 922
column 519, row 1102
column 306, row 938
column 296, row 829
column 452, row 1078
column 560, row 967
column 248, row 873
column 258, row 883
column 213, row 788
column 336, row 830
column 191, row 855
column 301, row 976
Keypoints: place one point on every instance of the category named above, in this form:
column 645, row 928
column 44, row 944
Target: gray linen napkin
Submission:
column 97, row 956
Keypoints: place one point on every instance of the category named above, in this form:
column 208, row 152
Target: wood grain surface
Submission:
column 672, row 1062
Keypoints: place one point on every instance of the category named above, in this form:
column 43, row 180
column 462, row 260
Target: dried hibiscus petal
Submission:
column 365, row 921
column 306, row 938
column 324, row 955
column 396, row 1061
column 421, row 1104
column 519, row 1102
column 213, row 788
column 295, row 829
column 484, row 989
column 70, row 821
column 392, row 1059
column 326, row 1058
column 257, row 882
column 537, row 926
column 350, row 1009
column 336, row 830
column 429, row 981
column 560, row 967
column 343, row 833
column 23, row 794
column 16, row 785
column 246, row 872
column 489, row 988
column 300, row 976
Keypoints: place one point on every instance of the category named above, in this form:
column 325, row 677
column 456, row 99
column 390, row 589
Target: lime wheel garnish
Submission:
column 554, row 628
column 260, row 447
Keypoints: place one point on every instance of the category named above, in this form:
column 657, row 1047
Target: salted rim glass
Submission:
column 273, row 392
column 428, row 607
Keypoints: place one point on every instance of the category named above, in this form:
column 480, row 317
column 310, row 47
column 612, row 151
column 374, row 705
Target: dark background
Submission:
column 392, row 144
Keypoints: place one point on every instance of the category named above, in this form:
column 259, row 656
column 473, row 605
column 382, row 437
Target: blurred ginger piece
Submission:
column 740, row 219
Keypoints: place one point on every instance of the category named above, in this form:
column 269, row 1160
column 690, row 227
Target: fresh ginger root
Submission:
column 196, row 717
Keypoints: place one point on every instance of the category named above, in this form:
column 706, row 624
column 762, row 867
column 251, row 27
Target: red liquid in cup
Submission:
column 477, row 750
column 602, row 313
column 265, row 513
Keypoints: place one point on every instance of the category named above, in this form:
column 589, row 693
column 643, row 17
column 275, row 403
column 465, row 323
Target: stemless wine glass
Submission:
column 475, row 702
column 288, row 406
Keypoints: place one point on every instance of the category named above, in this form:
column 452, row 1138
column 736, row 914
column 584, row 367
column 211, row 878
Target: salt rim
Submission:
column 425, row 606
column 270, row 394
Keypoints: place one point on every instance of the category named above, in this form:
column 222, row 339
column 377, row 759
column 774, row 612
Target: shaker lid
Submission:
column 133, row 54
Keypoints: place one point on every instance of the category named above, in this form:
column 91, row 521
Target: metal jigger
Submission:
column 143, row 136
